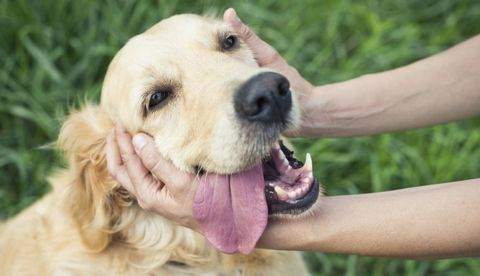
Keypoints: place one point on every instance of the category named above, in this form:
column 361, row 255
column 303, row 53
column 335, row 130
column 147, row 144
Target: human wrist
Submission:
column 342, row 109
column 285, row 234
column 316, row 108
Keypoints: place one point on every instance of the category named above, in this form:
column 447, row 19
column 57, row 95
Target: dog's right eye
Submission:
column 157, row 99
column 229, row 42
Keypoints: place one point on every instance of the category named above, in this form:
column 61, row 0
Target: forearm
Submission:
column 435, row 221
column 438, row 89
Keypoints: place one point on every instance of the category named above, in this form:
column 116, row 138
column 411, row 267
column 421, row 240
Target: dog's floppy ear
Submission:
column 92, row 193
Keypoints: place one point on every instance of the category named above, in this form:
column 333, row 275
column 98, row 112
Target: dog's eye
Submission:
column 157, row 98
column 229, row 42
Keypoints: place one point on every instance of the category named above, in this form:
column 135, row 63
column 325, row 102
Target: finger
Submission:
column 163, row 169
column 263, row 52
column 140, row 176
column 114, row 163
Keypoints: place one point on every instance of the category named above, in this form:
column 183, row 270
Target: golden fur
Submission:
column 88, row 224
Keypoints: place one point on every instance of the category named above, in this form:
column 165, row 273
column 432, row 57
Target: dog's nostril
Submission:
column 261, row 104
column 283, row 88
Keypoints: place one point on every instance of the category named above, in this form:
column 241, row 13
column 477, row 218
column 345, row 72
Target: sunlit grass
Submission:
column 54, row 55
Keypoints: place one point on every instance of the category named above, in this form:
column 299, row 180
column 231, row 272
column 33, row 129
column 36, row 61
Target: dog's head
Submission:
column 193, row 84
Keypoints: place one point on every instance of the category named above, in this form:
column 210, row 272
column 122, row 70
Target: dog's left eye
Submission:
column 158, row 98
column 229, row 42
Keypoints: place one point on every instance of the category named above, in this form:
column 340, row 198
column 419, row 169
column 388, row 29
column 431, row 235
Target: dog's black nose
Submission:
column 264, row 98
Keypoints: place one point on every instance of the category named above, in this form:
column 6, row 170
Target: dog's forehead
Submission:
column 186, row 23
column 172, row 39
column 185, row 29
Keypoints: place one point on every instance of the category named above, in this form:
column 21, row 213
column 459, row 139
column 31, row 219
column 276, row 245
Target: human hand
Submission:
column 157, row 185
column 267, row 56
column 181, row 197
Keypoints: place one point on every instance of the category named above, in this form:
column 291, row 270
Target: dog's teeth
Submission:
column 310, row 183
column 292, row 195
column 310, row 177
column 308, row 163
column 304, row 188
column 281, row 193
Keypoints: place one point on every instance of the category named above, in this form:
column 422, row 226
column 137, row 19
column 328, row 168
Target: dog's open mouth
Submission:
column 233, row 209
column 290, row 187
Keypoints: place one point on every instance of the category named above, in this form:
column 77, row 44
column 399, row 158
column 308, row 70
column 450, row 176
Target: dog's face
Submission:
column 194, row 85
column 179, row 82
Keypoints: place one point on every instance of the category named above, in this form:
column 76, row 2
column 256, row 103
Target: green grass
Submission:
column 54, row 55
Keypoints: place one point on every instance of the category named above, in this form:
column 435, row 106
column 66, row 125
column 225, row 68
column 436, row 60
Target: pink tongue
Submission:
column 232, row 209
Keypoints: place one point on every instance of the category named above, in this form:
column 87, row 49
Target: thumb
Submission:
column 263, row 52
column 161, row 168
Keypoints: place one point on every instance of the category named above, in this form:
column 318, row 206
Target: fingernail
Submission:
column 139, row 141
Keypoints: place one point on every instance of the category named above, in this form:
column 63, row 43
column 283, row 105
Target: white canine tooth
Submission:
column 308, row 162
column 281, row 193
column 292, row 194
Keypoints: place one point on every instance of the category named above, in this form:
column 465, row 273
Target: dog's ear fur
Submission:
column 92, row 194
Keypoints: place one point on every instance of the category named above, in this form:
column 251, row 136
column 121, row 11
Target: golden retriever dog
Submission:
column 194, row 86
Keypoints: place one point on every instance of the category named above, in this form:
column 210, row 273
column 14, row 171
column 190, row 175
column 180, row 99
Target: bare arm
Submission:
column 435, row 90
column 436, row 221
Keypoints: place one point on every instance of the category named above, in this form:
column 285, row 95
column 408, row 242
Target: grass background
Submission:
column 54, row 55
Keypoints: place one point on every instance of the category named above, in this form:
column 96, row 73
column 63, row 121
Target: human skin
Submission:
column 439, row 89
column 435, row 221
column 428, row 222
